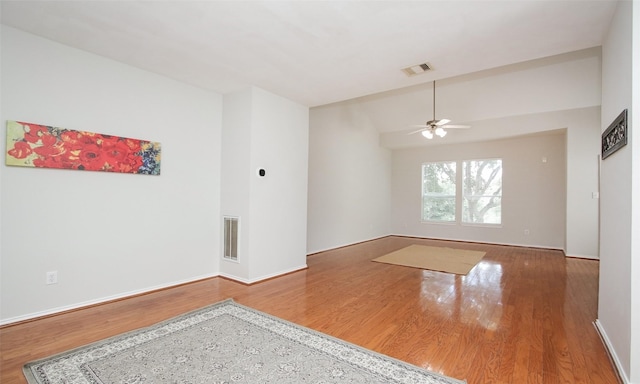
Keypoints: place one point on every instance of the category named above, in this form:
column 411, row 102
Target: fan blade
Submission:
column 454, row 126
column 424, row 128
column 442, row 122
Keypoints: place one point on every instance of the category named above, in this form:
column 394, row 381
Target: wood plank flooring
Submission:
column 520, row 316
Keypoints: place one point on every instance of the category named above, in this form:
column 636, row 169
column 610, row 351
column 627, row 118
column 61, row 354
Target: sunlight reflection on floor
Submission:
column 472, row 299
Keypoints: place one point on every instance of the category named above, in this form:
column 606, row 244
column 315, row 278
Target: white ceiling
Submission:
column 315, row 52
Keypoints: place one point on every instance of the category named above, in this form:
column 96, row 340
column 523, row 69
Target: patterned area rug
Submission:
column 225, row 343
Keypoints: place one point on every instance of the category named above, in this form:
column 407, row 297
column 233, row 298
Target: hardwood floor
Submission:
column 520, row 316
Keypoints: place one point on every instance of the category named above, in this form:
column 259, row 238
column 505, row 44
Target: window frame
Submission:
column 454, row 196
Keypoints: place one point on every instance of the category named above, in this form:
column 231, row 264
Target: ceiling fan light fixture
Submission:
column 440, row 132
column 427, row 134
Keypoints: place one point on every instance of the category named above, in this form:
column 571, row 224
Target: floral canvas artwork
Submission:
column 41, row 146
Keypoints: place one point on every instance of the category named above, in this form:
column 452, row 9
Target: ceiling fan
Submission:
column 436, row 127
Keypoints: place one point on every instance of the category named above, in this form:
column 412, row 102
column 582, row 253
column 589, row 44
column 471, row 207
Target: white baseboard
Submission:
column 343, row 245
column 588, row 257
column 261, row 278
column 612, row 352
column 102, row 300
column 485, row 242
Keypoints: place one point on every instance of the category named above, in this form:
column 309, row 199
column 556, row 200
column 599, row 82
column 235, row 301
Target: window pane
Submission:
column 439, row 208
column 439, row 191
column 482, row 191
column 492, row 214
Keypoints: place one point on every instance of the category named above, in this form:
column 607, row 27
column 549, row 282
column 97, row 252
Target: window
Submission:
column 480, row 199
column 439, row 191
column 482, row 191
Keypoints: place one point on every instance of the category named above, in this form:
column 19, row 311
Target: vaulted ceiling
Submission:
column 315, row 52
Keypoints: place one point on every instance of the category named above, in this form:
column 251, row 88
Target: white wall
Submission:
column 533, row 196
column 618, row 311
column 569, row 81
column 107, row 234
column 349, row 179
column 583, row 154
column 265, row 131
column 236, row 176
column 580, row 215
column 348, row 168
column 635, row 198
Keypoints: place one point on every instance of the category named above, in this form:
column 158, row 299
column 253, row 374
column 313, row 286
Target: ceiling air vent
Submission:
column 416, row 69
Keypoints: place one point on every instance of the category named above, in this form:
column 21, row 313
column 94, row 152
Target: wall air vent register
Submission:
column 231, row 227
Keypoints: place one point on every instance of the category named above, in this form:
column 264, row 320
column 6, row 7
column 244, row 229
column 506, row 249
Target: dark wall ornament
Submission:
column 615, row 137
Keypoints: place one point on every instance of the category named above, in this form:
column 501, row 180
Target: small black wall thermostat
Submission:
column 261, row 172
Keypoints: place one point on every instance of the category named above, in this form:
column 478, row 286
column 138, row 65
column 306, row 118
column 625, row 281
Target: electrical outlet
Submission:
column 52, row 277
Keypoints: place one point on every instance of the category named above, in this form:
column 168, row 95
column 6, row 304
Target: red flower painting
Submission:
column 34, row 145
